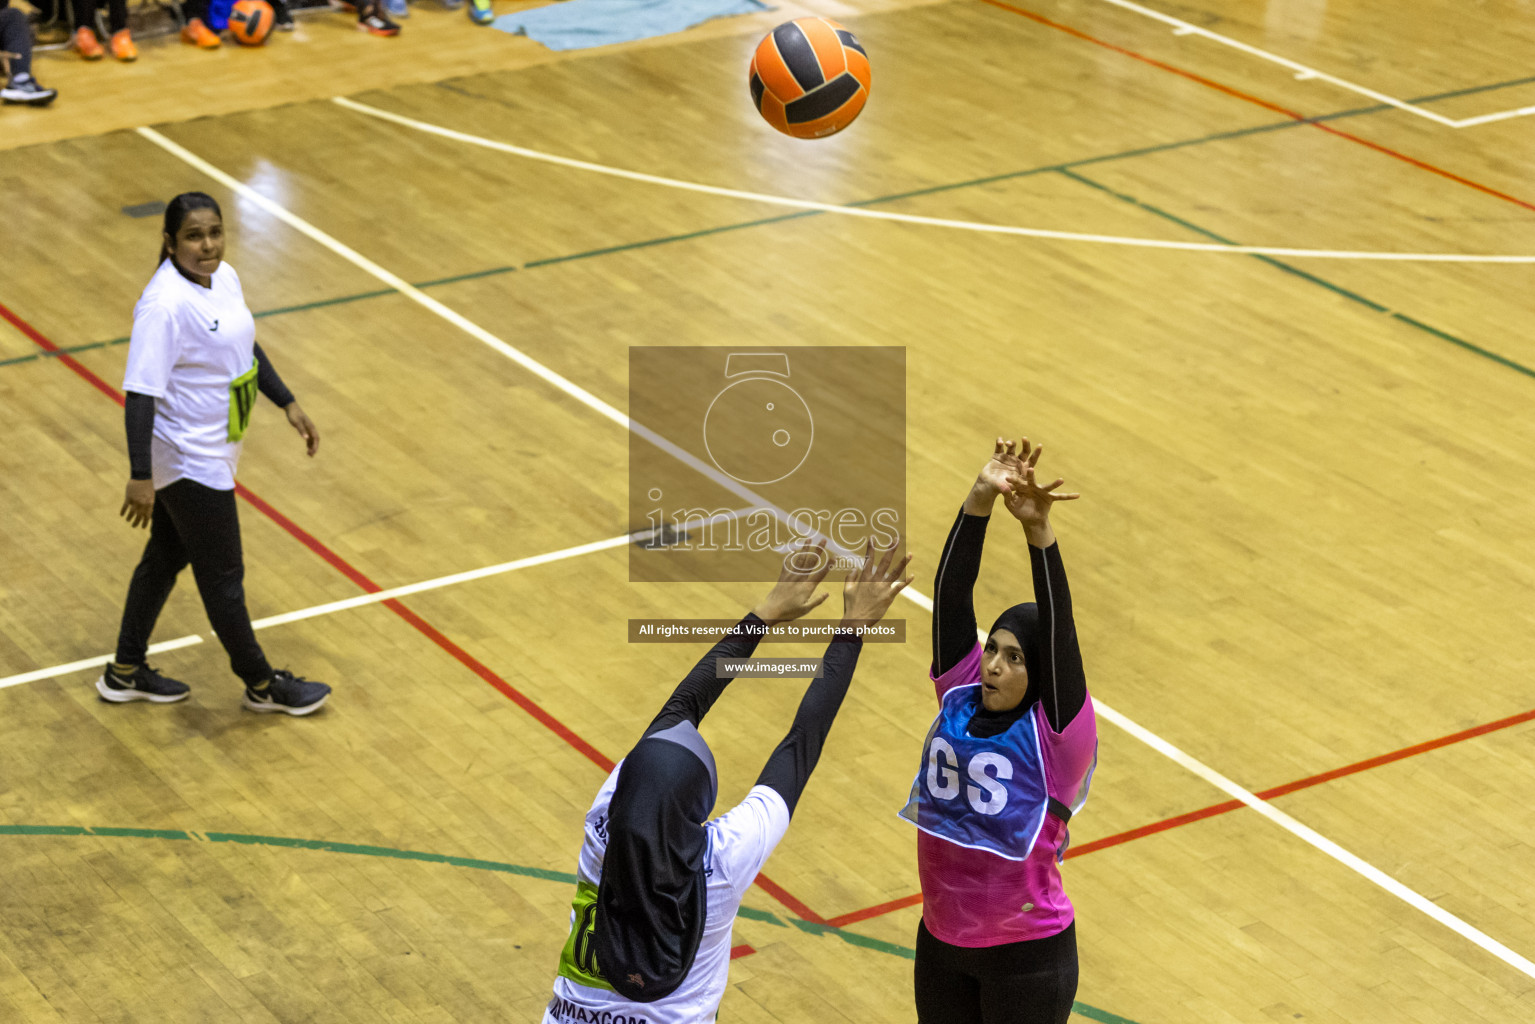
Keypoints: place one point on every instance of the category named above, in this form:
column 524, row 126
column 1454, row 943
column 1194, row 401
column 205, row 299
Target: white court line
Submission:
column 362, row 600
column 1355, row 863
column 97, row 662
column 1305, row 73
column 1158, row 744
column 908, row 218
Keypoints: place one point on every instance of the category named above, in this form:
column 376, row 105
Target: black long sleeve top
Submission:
column 1062, row 690
column 788, row 768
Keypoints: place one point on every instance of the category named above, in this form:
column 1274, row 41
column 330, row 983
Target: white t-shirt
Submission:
column 189, row 345
column 739, row 843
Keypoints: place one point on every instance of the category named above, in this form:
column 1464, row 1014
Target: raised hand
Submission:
column 1030, row 501
column 870, row 589
column 1005, row 468
column 794, row 593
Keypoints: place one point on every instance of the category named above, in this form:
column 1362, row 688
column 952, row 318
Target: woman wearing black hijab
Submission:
column 1005, row 764
column 658, row 884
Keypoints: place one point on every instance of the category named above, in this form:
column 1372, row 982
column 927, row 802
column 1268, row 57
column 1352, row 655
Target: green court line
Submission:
column 893, row 197
column 627, row 246
column 1287, row 268
column 1465, row 344
column 1304, row 275
column 364, row 850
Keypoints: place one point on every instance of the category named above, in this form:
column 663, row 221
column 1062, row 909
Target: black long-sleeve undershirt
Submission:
column 1062, row 688
column 953, row 586
column 139, row 421
column 139, row 415
column 788, row 768
column 699, row 689
column 1063, row 691
column 269, row 383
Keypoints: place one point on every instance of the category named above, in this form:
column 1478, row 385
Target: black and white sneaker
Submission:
column 371, row 19
column 282, row 18
column 24, row 89
column 288, row 693
column 143, row 683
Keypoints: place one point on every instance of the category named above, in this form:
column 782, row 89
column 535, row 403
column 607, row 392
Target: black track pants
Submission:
column 200, row 525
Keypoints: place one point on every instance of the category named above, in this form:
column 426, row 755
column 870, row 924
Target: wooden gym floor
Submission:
column 1304, row 563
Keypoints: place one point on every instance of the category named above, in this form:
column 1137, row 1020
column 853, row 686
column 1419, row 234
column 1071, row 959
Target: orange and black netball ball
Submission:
column 809, row 78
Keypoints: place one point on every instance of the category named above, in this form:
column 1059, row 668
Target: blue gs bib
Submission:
column 986, row 794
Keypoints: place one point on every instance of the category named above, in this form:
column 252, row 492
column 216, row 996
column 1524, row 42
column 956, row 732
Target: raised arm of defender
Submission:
column 866, row 597
column 1063, row 688
column 954, row 582
column 792, row 596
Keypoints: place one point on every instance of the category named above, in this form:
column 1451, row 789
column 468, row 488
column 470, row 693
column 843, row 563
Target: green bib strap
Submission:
column 242, row 402
column 578, row 960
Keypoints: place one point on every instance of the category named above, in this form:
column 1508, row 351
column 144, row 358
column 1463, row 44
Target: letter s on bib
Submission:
column 997, row 792
column 948, row 787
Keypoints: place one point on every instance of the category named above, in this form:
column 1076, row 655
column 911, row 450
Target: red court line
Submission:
column 1227, row 806
column 1265, row 104
column 781, row 894
column 423, row 627
column 876, row 911
column 742, row 950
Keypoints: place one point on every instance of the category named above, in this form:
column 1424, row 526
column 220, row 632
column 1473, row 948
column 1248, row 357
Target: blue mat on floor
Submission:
column 576, row 24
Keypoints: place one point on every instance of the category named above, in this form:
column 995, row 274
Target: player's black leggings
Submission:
column 117, row 14
column 16, row 37
column 196, row 524
column 1017, row 983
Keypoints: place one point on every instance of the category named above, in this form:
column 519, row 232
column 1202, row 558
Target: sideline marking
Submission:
column 910, row 218
column 1307, row 74
column 375, row 597
column 1147, row 737
column 97, row 662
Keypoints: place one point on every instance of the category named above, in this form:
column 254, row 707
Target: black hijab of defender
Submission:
column 651, row 900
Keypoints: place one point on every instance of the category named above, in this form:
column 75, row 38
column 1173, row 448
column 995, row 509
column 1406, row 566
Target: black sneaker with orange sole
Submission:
column 143, row 683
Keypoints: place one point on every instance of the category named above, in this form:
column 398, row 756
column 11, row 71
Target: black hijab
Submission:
column 1021, row 620
column 651, row 898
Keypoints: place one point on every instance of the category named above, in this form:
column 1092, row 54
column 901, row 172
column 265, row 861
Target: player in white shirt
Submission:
column 658, row 885
column 194, row 369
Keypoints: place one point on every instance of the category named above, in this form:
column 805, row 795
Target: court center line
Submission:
column 909, row 218
column 1147, row 737
column 1210, row 83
